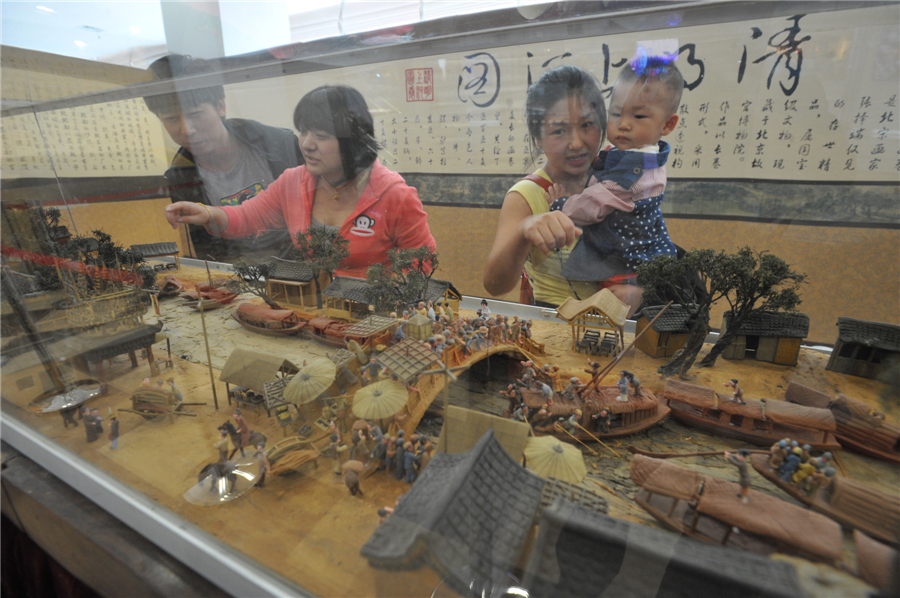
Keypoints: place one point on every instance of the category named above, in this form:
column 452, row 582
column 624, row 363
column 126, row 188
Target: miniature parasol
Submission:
column 360, row 424
column 310, row 381
column 353, row 465
column 551, row 458
column 380, row 400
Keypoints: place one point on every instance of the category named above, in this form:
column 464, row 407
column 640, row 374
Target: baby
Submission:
column 619, row 208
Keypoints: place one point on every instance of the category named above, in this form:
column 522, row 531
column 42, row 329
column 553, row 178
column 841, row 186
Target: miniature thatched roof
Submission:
column 674, row 320
column 664, row 477
column 349, row 288
column 408, row 358
column 579, row 552
column 290, row 270
column 252, row 370
column 771, row 324
column 467, row 516
column 156, row 249
column 464, row 427
column 777, row 411
column 604, row 302
column 877, row 335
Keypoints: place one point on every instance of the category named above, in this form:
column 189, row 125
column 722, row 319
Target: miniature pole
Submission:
column 212, row 380
column 558, row 427
column 634, row 450
column 600, row 441
column 596, row 379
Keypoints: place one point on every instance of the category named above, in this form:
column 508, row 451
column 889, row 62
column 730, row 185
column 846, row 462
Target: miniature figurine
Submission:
column 485, row 310
column 573, row 387
column 222, row 444
column 737, row 395
column 174, row 390
column 374, row 431
column 420, row 309
column 423, row 452
column 242, row 429
column 379, row 452
column 342, row 411
column 603, row 420
column 804, row 455
column 145, row 382
column 68, row 416
column 528, row 374
column 804, row 470
column 113, row 432
column 328, row 412
column 351, row 480
column 635, row 384
column 623, row 387
column 373, row 370
column 335, row 451
column 594, row 370
column 383, row 514
column 429, row 311
column 791, row 463
column 571, row 423
column 544, row 388
column 818, row 480
column 264, row 465
column 390, row 454
column 777, row 453
column 409, row 463
column 95, row 422
column 159, row 383
column 400, row 334
column 740, row 461
column 400, row 459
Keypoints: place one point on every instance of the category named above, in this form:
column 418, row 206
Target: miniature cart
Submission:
column 155, row 404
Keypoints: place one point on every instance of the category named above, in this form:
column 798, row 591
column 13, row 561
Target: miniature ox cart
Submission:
column 154, row 404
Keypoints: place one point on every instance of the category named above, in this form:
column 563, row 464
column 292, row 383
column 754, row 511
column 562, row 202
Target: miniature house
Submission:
column 420, row 327
column 347, row 298
column 666, row 335
column 152, row 250
column 372, row 332
column 864, row 348
column 291, row 284
column 443, row 291
column 768, row 336
column 591, row 318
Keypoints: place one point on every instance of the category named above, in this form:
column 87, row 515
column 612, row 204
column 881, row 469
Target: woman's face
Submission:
column 322, row 154
column 570, row 138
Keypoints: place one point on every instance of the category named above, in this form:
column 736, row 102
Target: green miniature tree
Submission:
column 252, row 278
column 101, row 251
column 323, row 250
column 402, row 280
column 751, row 282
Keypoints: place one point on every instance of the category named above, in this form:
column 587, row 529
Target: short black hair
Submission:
column 175, row 66
column 341, row 111
column 668, row 75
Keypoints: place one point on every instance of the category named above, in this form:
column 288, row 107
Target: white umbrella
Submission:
column 549, row 457
column 380, row 400
column 310, row 382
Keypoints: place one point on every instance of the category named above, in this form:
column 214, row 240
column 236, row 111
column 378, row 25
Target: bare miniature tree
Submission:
column 323, row 250
column 751, row 282
column 252, row 278
column 401, row 280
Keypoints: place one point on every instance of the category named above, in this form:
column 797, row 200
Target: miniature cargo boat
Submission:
column 272, row 322
column 710, row 509
column 211, row 299
column 858, row 429
column 637, row 415
column 850, row 503
column 171, row 287
column 326, row 331
column 694, row 406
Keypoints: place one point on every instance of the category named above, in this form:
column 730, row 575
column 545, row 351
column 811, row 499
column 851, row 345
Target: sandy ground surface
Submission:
column 308, row 528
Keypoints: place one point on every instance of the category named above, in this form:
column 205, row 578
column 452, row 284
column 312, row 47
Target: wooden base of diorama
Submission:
column 306, row 526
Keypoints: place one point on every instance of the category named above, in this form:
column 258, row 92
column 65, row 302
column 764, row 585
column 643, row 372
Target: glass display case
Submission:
column 314, row 321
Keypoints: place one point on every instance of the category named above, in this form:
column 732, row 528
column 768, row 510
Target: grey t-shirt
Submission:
column 249, row 176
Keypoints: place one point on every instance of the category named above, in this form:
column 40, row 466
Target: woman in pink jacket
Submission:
column 342, row 185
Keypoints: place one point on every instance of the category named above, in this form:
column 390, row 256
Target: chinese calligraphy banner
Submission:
column 806, row 98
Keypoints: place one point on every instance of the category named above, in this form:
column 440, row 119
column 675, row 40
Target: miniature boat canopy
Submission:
column 252, row 370
column 607, row 397
column 603, row 302
column 864, row 503
column 662, row 477
column 778, row 411
column 771, row 517
column 265, row 314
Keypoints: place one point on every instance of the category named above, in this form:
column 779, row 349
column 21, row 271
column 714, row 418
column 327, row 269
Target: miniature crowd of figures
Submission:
column 796, row 466
column 472, row 333
column 173, row 389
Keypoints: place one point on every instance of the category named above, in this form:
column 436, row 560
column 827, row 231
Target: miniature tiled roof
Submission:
column 603, row 301
column 436, row 289
column 134, row 339
column 290, row 270
column 408, row 358
column 579, row 553
column 371, row 325
column 871, row 334
column 674, row 320
column 772, row 323
column 155, row 249
column 252, row 370
column 467, row 516
column 346, row 287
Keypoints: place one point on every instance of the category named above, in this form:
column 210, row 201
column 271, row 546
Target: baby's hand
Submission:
column 554, row 192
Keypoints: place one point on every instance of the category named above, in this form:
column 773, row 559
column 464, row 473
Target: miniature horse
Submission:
column 255, row 437
column 218, row 470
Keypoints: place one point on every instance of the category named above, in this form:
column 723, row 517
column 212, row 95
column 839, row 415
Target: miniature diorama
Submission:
column 866, row 349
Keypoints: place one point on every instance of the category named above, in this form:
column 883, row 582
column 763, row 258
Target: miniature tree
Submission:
column 751, row 282
column 402, row 280
column 757, row 282
column 252, row 278
column 323, row 250
column 109, row 254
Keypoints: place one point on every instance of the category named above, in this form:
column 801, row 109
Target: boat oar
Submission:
column 559, row 427
column 636, row 451
column 600, row 441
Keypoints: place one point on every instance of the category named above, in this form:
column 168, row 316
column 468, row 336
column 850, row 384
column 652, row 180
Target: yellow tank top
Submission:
column 545, row 271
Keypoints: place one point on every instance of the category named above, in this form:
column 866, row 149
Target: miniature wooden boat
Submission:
column 693, row 405
column 637, row 415
column 857, row 428
column 171, row 287
column 326, row 331
column 710, row 509
column 876, row 564
column 211, row 299
column 848, row 502
column 272, row 322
